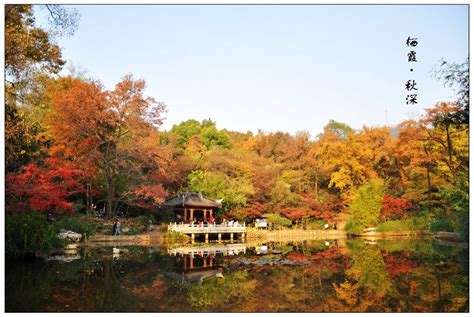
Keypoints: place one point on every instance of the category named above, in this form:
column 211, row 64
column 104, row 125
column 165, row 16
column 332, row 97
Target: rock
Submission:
column 125, row 230
column 69, row 235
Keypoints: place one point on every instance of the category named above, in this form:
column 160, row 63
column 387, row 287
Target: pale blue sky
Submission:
column 273, row 68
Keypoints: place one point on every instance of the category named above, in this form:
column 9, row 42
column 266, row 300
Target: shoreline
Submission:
column 414, row 233
column 155, row 238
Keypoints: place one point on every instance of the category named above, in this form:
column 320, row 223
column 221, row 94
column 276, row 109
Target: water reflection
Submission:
column 308, row 276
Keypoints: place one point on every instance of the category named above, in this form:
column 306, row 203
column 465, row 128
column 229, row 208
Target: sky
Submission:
column 274, row 68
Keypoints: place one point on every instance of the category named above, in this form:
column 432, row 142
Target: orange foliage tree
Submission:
column 113, row 133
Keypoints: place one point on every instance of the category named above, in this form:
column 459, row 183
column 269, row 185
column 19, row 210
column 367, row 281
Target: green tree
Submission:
column 185, row 130
column 459, row 202
column 341, row 129
column 206, row 130
column 233, row 190
column 457, row 75
column 212, row 137
column 367, row 203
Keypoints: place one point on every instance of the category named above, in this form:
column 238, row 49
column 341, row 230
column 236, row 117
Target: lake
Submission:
column 345, row 275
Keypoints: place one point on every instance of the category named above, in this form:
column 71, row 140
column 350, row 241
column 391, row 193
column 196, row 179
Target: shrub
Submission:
column 173, row 237
column 463, row 226
column 278, row 220
column 442, row 224
column 136, row 225
column 145, row 220
column 315, row 224
column 395, row 225
column 422, row 221
column 74, row 224
column 415, row 223
column 395, row 208
column 354, row 226
column 28, row 233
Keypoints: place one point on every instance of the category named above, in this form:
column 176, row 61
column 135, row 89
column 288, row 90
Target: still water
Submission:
column 310, row 276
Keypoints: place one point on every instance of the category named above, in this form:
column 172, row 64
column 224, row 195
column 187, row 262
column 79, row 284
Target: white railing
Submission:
column 212, row 227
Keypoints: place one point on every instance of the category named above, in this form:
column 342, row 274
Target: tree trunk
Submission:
column 428, row 177
column 450, row 155
column 88, row 198
column 110, row 199
column 316, row 191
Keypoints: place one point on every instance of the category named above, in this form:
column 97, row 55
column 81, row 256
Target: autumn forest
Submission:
column 74, row 147
column 339, row 218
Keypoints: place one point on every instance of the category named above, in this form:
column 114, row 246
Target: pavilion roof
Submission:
column 192, row 200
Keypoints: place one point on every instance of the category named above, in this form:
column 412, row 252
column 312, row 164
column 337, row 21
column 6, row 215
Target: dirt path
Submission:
column 341, row 220
column 139, row 239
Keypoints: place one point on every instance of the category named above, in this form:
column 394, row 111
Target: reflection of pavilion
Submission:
column 225, row 249
column 198, row 263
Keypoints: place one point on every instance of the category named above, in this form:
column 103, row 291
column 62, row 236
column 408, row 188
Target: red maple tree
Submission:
column 395, row 208
column 45, row 189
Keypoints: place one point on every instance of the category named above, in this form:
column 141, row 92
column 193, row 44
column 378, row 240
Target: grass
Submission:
column 401, row 225
column 255, row 233
column 172, row 237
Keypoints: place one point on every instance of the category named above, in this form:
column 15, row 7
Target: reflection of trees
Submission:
column 350, row 298
column 97, row 287
column 308, row 278
column 366, row 282
column 110, row 288
column 442, row 287
column 26, row 285
column 303, row 286
column 410, row 277
column 217, row 292
column 368, row 268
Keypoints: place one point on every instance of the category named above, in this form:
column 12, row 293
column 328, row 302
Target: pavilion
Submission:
column 190, row 206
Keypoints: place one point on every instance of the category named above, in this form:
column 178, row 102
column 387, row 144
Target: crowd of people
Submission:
column 212, row 222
